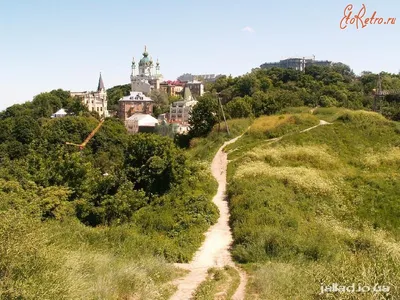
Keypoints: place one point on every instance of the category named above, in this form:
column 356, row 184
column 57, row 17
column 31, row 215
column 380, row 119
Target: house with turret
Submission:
column 95, row 100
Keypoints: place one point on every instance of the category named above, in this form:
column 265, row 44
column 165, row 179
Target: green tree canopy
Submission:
column 204, row 115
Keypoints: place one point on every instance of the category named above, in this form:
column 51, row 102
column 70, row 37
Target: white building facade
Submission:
column 179, row 111
column 95, row 101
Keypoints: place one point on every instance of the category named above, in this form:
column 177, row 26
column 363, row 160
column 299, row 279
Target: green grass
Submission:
column 204, row 149
column 220, row 284
column 329, row 114
column 67, row 260
column 64, row 259
column 296, row 110
column 318, row 207
column 270, row 127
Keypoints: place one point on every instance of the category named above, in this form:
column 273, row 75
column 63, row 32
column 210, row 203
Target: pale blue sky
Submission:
column 48, row 44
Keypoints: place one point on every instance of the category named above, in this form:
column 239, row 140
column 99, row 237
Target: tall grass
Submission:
column 64, row 259
column 271, row 127
column 204, row 149
column 70, row 261
column 320, row 207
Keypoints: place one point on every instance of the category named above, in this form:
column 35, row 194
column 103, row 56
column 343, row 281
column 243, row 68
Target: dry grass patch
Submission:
column 388, row 158
column 316, row 156
column 380, row 238
column 103, row 276
column 310, row 180
column 264, row 123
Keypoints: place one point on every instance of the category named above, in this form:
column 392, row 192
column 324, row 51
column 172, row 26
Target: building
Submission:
column 148, row 76
column 95, row 101
column 186, row 77
column 179, row 111
column 176, row 88
column 172, row 88
column 204, row 77
column 59, row 114
column 140, row 123
column 296, row 63
column 196, row 88
column 136, row 102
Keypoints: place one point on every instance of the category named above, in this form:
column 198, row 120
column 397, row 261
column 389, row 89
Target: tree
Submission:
column 161, row 103
column 115, row 93
column 326, row 101
column 45, row 104
column 17, row 110
column 239, row 108
column 204, row 115
column 220, row 83
column 75, row 106
column 264, row 104
column 25, row 129
column 247, row 85
column 153, row 163
column 369, row 81
column 344, row 70
column 64, row 96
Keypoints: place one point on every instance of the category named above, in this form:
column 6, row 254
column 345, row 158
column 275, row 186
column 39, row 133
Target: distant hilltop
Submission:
column 297, row 63
column 204, row 77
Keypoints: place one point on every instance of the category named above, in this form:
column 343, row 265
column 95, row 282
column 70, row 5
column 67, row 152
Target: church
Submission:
column 144, row 80
column 148, row 76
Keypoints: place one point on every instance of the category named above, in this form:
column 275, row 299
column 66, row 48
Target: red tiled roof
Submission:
column 173, row 82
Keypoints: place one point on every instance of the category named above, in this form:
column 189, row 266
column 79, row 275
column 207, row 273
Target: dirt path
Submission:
column 321, row 123
column 215, row 250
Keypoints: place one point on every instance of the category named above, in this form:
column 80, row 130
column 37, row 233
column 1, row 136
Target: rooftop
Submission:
column 143, row 119
column 173, row 82
column 136, row 96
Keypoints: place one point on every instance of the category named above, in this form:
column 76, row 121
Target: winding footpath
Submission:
column 215, row 250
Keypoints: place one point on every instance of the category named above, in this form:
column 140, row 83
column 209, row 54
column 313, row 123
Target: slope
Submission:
column 317, row 207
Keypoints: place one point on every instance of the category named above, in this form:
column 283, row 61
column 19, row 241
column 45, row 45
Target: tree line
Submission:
column 268, row 91
column 115, row 176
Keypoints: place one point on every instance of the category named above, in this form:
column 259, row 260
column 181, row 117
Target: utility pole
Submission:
column 223, row 114
column 378, row 93
column 219, row 116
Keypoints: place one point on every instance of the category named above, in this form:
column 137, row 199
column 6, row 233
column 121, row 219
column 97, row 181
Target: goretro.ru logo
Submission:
column 360, row 20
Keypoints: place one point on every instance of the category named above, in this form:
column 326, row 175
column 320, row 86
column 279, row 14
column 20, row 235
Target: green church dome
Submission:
column 145, row 61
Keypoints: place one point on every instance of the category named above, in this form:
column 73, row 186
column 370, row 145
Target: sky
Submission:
column 47, row 44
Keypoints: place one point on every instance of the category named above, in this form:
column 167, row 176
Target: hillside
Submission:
column 108, row 221
column 102, row 223
column 317, row 207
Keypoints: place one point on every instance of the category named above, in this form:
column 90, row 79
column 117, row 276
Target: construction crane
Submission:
column 82, row 146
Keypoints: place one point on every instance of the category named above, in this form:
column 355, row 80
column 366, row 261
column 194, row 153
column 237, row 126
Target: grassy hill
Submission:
column 102, row 223
column 64, row 259
column 317, row 207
